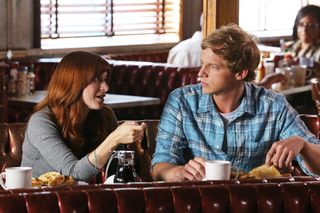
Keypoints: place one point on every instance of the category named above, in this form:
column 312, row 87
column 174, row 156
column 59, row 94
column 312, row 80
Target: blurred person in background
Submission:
column 306, row 35
column 187, row 54
column 304, row 49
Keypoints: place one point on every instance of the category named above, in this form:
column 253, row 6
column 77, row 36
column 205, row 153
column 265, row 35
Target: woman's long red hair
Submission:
column 75, row 71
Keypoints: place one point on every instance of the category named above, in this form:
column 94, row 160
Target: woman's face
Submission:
column 93, row 94
column 308, row 29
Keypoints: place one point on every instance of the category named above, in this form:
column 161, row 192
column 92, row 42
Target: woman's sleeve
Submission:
column 43, row 134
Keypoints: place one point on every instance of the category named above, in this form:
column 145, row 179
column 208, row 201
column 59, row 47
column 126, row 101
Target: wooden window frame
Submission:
column 217, row 13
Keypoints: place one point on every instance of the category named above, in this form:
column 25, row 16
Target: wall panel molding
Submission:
column 218, row 13
column 16, row 24
column 3, row 24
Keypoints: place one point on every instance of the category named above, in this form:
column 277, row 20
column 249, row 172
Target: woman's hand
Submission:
column 129, row 132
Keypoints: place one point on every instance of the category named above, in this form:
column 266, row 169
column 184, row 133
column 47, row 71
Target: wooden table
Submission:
column 296, row 90
column 300, row 99
column 115, row 101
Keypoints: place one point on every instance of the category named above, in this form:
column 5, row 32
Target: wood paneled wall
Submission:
column 18, row 33
column 191, row 12
column 16, row 20
column 3, row 24
column 218, row 13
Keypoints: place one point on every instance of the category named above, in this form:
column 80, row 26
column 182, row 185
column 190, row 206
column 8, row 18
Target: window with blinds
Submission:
column 270, row 17
column 108, row 18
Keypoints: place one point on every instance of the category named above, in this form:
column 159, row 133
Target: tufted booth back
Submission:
column 148, row 79
column 12, row 135
column 151, row 56
column 132, row 77
column 285, row 194
column 11, row 144
column 128, row 78
column 230, row 196
column 312, row 122
column 11, row 139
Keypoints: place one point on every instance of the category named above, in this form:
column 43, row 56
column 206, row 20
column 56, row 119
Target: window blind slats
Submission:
column 72, row 18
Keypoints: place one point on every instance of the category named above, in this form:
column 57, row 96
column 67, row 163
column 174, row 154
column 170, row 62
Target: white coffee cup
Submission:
column 217, row 170
column 16, row 177
column 299, row 75
column 287, row 74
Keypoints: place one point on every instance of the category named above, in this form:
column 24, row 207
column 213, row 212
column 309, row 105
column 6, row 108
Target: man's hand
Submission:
column 194, row 169
column 272, row 78
column 283, row 152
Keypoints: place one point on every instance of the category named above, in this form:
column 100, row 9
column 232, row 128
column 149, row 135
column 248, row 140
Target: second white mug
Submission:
column 16, row 177
column 217, row 170
column 300, row 73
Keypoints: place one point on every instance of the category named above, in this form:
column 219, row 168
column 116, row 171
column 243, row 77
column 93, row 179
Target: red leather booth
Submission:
column 285, row 194
column 127, row 77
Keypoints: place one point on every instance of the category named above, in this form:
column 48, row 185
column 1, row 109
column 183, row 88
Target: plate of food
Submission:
column 52, row 179
column 264, row 171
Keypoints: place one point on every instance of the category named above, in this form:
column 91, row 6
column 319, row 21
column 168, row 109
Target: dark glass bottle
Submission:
column 126, row 172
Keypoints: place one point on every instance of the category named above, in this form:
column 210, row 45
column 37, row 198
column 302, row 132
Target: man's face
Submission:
column 214, row 75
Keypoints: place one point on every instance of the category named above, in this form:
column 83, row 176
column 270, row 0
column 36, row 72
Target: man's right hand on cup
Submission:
column 194, row 169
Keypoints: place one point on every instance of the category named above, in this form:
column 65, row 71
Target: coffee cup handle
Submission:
column 234, row 168
column 309, row 73
column 2, row 175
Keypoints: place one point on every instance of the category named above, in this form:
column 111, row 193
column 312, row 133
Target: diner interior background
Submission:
column 20, row 30
column 20, row 33
column 20, row 25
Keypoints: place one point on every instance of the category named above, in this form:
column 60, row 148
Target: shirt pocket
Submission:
column 255, row 151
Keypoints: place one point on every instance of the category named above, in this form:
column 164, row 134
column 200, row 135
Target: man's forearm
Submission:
column 167, row 172
column 310, row 153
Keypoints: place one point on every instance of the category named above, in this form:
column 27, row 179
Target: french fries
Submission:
column 52, row 179
column 263, row 171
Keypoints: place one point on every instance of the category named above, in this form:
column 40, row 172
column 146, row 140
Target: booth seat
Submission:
column 285, row 194
column 12, row 134
column 313, row 123
column 298, row 197
column 128, row 78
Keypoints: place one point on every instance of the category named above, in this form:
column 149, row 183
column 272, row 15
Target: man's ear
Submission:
column 241, row 75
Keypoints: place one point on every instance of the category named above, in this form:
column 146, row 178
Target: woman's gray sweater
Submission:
column 44, row 150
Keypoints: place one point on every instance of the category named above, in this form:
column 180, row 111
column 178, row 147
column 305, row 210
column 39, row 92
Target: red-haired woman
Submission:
column 72, row 132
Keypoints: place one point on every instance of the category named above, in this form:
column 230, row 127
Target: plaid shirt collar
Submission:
column 247, row 104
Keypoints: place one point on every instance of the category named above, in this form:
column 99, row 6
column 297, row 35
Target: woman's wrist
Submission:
column 112, row 140
column 103, row 152
column 93, row 160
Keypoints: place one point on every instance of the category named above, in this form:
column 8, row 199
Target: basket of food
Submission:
column 52, row 179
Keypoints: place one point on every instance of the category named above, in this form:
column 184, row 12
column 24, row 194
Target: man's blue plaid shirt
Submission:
column 191, row 126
